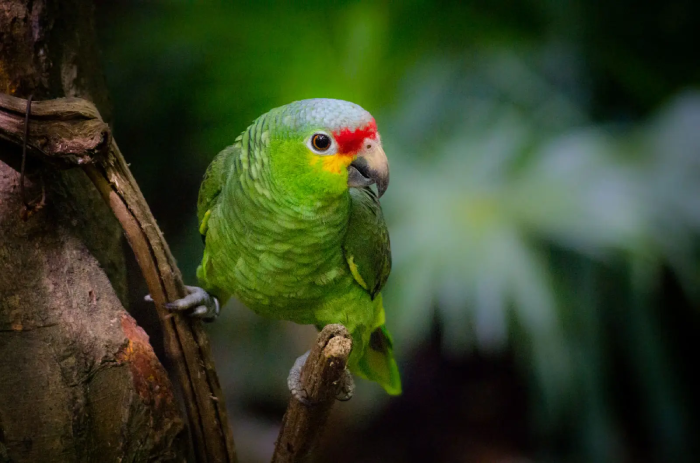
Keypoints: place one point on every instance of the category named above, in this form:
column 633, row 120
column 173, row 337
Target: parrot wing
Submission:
column 213, row 184
column 366, row 247
column 216, row 176
column 368, row 253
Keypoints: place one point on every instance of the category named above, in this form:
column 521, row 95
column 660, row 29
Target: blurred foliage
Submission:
column 545, row 174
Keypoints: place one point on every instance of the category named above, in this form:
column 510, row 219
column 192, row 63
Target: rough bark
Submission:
column 70, row 132
column 78, row 379
column 303, row 423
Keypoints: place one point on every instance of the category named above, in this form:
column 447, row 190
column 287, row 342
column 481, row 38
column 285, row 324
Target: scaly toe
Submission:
column 201, row 303
column 294, row 381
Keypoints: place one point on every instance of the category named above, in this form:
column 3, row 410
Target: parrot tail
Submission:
column 378, row 363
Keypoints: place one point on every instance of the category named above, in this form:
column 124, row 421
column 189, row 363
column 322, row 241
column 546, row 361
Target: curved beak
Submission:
column 369, row 166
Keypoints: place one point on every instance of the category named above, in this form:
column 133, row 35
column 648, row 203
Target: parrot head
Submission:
column 323, row 147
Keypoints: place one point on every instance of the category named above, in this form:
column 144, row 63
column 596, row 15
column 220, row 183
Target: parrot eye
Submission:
column 321, row 142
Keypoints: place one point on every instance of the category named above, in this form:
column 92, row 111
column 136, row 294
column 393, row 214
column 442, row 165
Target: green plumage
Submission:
column 290, row 240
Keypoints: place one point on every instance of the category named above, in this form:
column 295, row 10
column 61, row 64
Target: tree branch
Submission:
column 64, row 132
column 70, row 132
column 303, row 424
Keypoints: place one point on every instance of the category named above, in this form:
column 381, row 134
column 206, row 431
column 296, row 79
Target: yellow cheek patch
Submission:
column 333, row 164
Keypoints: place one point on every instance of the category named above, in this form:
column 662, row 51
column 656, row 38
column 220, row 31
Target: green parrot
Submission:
column 293, row 230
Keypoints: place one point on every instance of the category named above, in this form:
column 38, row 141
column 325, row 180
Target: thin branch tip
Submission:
column 338, row 348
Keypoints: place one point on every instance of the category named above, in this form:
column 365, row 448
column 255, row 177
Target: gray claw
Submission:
column 202, row 304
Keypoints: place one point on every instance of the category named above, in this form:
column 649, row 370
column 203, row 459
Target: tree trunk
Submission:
column 78, row 378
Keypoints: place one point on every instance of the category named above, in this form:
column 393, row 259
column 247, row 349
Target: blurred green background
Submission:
column 544, row 211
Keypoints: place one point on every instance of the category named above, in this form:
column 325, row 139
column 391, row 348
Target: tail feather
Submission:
column 378, row 363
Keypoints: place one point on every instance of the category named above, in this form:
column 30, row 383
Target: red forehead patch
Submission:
column 350, row 141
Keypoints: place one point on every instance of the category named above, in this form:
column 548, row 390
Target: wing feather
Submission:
column 213, row 184
column 367, row 247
